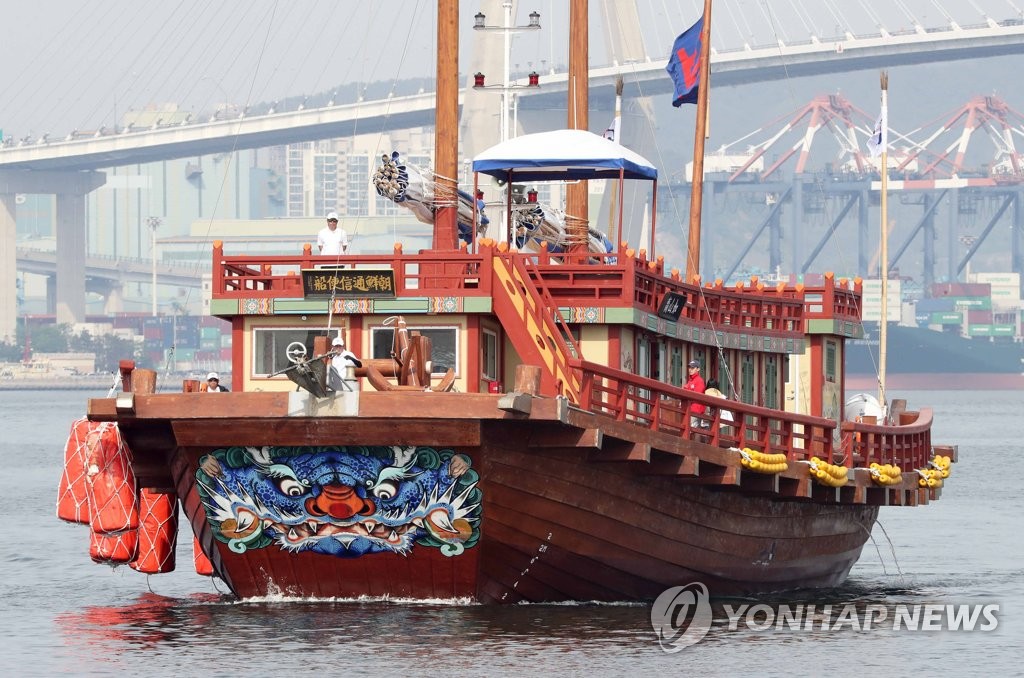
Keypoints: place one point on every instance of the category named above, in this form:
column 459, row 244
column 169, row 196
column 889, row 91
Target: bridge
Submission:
column 68, row 167
column 733, row 67
column 107, row 275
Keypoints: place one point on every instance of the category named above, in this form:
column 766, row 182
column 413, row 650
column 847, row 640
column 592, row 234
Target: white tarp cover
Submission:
column 562, row 154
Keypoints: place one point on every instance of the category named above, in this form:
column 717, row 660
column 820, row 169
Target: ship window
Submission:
column 830, row 361
column 444, row 345
column 771, row 381
column 271, row 344
column 643, row 357
column 656, row 361
column 677, row 366
column 489, row 361
column 643, row 369
column 747, row 378
column 724, row 375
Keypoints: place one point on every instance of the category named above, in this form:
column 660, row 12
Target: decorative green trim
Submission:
column 301, row 305
column 410, row 305
column 224, row 307
column 478, row 304
column 839, row 328
column 705, row 336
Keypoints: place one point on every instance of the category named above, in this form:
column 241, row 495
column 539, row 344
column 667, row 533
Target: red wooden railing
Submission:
column 431, row 274
column 908, row 447
column 638, row 283
column 660, row 407
column 665, row 408
column 620, row 279
column 835, row 302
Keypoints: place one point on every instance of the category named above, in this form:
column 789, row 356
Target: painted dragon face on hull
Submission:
column 342, row 501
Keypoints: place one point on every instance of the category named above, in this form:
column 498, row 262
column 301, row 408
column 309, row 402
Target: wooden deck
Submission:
column 633, row 421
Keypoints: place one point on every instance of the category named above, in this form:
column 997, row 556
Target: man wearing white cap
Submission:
column 332, row 239
column 336, row 372
column 213, row 384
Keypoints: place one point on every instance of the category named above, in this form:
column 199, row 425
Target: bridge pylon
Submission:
column 70, row 189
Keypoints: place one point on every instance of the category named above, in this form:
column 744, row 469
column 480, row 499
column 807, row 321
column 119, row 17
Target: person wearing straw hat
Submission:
column 332, row 239
column 725, row 416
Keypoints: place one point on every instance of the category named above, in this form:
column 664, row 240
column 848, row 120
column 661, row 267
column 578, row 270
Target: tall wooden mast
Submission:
column 697, row 181
column 446, row 125
column 883, row 323
column 579, row 91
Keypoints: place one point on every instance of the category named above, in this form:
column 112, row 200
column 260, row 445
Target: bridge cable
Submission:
column 405, row 49
column 230, row 158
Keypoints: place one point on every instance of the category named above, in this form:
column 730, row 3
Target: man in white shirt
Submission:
column 332, row 239
column 336, row 370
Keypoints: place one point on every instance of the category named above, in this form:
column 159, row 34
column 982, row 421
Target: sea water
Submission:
column 62, row 614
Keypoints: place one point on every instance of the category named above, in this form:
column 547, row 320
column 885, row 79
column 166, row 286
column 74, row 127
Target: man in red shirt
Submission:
column 694, row 382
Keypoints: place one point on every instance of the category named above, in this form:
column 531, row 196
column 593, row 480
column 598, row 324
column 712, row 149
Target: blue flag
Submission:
column 684, row 64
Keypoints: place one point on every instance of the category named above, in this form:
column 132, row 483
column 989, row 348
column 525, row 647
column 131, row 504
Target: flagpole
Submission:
column 883, row 324
column 700, row 129
column 614, row 183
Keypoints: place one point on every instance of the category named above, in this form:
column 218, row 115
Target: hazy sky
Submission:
column 75, row 64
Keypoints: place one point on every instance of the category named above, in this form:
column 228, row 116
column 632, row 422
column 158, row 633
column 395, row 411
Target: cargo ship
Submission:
column 962, row 335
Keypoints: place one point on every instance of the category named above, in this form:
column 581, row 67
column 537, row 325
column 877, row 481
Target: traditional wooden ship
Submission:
column 595, row 477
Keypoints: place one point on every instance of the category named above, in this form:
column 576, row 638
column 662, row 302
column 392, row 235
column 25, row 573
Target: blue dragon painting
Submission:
column 343, row 501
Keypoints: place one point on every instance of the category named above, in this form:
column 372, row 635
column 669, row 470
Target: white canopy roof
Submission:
column 562, row 154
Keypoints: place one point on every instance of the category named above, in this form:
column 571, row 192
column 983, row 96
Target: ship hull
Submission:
column 557, row 525
column 560, row 527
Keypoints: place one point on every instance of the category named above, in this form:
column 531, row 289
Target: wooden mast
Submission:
column 884, row 320
column 446, row 125
column 700, row 130
column 577, row 216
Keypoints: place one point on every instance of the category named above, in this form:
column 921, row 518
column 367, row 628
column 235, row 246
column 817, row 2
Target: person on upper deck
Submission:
column 213, row 384
column 342, row 357
column 712, row 390
column 694, row 382
column 332, row 239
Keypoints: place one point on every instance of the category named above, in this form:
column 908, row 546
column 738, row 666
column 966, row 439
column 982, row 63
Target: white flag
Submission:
column 878, row 142
column 612, row 133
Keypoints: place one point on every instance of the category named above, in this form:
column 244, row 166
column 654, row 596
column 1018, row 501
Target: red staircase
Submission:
column 535, row 326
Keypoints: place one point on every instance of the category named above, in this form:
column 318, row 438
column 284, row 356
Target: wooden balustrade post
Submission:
column 586, row 393
column 527, row 379
column 190, row 386
column 126, row 367
column 398, row 267
column 143, row 381
column 218, row 284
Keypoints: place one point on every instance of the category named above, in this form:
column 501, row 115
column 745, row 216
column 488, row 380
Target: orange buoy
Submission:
column 72, row 494
column 111, row 487
column 158, row 532
column 116, row 547
column 202, row 563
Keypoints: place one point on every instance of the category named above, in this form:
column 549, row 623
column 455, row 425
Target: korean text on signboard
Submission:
column 328, row 282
